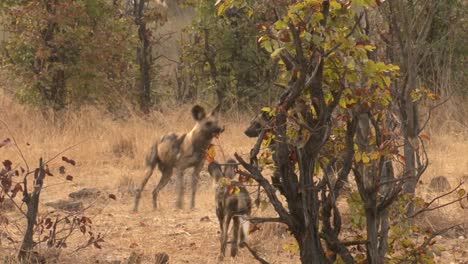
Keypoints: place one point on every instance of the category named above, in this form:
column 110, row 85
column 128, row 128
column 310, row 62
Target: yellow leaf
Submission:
column 342, row 102
column 210, row 153
column 461, row 192
column 358, row 156
column 369, row 47
column 328, row 98
column 365, row 158
column 232, row 189
column 263, row 205
column 293, row 246
column 374, row 155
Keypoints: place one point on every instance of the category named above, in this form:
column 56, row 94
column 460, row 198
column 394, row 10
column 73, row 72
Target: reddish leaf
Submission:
column 83, row 229
column 47, row 171
column 69, row 178
column 22, row 170
column 17, row 173
column 48, row 221
column 112, row 196
column 70, row 161
column 62, row 169
column 254, row 228
column 133, row 245
column 85, row 220
column 18, row 188
column 5, row 142
column 7, row 164
column 96, row 245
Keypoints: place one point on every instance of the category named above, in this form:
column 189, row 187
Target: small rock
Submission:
column 134, row 258
column 161, row 258
column 66, row 205
column 85, row 193
column 7, row 205
column 205, row 219
column 461, row 237
column 439, row 184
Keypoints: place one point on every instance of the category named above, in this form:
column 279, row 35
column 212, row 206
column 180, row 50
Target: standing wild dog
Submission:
column 180, row 152
column 232, row 203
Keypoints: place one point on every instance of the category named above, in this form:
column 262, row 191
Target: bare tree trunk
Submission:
column 210, row 56
column 144, row 56
column 32, row 202
column 52, row 91
column 410, row 23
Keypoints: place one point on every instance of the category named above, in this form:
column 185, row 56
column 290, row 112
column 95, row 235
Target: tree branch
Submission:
column 426, row 208
column 270, row 191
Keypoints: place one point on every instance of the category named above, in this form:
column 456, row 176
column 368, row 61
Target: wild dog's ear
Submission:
column 198, row 112
column 215, row 111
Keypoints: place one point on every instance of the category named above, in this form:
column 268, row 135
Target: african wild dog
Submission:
column 180, row 152
column 232, row 203
column 257, row 124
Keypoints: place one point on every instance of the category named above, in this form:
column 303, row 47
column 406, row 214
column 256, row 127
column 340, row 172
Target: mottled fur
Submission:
column 179, row 152
column 236, row 207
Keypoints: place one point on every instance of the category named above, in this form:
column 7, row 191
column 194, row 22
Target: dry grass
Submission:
column 110, row 155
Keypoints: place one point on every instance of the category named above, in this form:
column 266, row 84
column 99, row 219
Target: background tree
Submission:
column 148, row 15
column 68, row 51
column 221, row 56
column 420, row 40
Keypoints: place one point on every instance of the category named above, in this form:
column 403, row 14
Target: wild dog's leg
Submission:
column 180, row 189
column 151, row 161
column 196, row 173
column 166, row 176
column 235, row 235
column 224, row 233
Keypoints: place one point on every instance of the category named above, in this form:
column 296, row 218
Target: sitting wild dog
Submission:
column 180, row 152
column 232, row 203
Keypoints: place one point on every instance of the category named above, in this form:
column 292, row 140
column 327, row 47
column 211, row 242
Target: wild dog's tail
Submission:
column 152, row 160
column 245, row 226
column 245, row 208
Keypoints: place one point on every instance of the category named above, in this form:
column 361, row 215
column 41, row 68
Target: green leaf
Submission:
column 267, row 45
column 276, row 53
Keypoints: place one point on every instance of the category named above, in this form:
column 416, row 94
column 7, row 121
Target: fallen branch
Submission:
column 254, row 254
column 258, row 220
